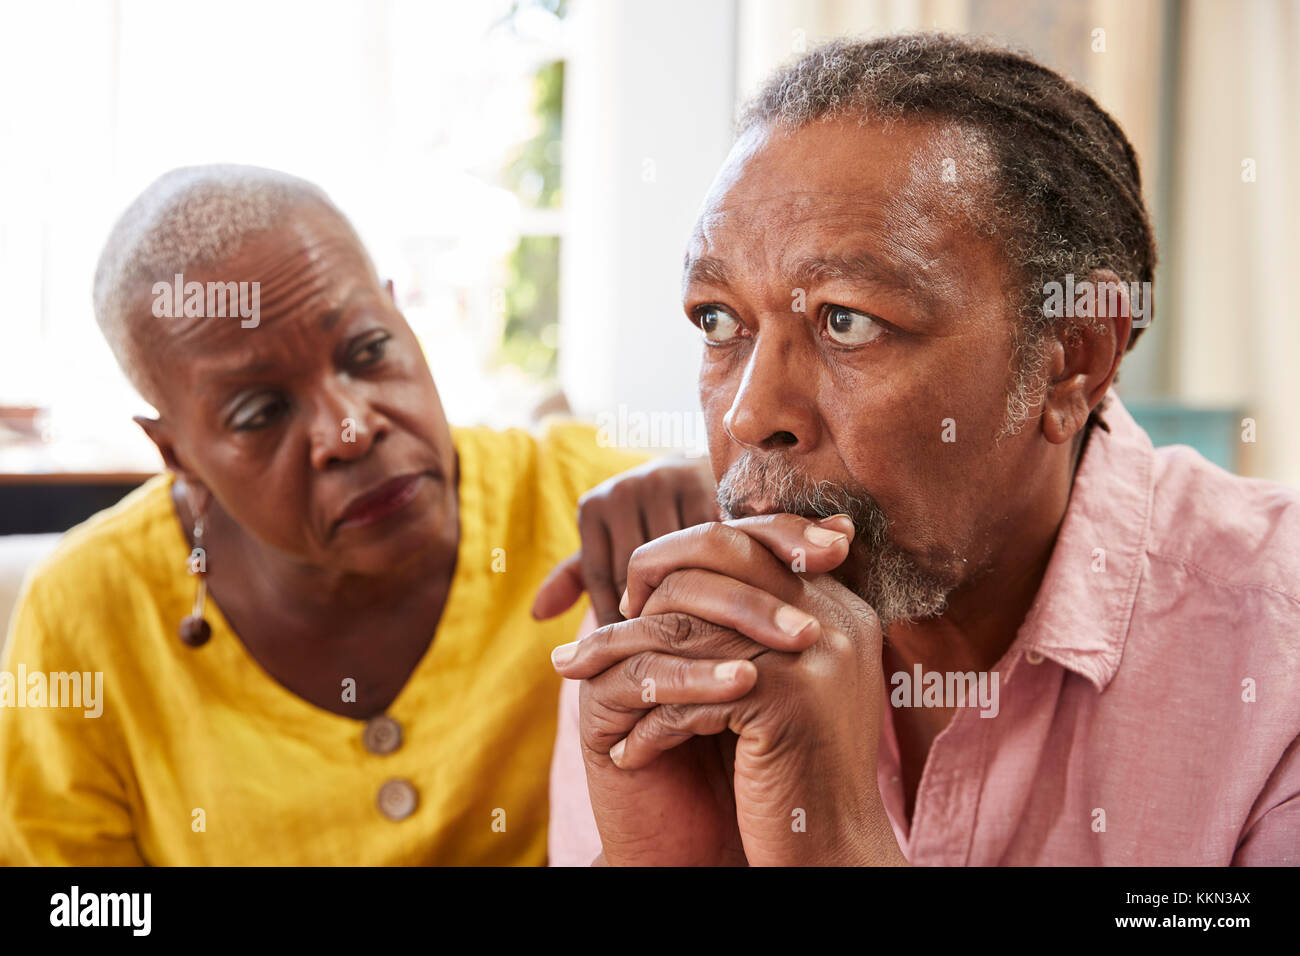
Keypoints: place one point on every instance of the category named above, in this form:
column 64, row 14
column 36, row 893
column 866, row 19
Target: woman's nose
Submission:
column 344, row 430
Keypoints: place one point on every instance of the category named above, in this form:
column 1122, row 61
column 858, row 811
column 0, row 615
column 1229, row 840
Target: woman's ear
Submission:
column 1089, row 344
column 160, row 433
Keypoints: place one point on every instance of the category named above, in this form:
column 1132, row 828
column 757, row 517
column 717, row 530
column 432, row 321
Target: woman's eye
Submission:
column 846, row 327
column 256, row 415
column 370, row 353
column 718, row 325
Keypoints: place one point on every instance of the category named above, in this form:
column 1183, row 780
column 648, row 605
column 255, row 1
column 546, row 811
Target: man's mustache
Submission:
column 772, row 482
column 886, row 576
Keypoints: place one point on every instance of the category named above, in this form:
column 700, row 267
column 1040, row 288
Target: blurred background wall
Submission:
column 527, row 171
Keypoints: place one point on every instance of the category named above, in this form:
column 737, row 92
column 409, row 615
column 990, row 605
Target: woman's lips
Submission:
column 390, row 497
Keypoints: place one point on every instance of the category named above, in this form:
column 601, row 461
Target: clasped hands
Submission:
column 733, row 717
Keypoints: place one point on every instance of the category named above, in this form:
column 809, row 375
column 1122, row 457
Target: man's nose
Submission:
column 344, row 428
column 775, row 406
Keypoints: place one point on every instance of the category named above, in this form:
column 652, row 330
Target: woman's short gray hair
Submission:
column 188, row 218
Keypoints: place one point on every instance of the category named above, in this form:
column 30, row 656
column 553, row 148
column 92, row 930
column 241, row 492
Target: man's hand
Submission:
column 617, row 517
column 736, row 718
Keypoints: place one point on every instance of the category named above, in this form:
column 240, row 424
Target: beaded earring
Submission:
column 194, row 630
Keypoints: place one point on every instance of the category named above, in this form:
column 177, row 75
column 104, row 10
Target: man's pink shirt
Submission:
column 1149, row 707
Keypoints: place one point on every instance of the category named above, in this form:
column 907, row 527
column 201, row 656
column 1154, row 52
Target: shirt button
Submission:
column 382, row 735
column 397, row 799
column 1033, row 656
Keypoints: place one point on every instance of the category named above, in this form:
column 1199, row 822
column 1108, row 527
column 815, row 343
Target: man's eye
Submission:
column 846, row 327
column 718, row 325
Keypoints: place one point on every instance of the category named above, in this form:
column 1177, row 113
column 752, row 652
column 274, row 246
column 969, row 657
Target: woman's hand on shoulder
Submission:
column 617, row 517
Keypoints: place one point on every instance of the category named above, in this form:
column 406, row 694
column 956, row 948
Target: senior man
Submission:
column 926, row 476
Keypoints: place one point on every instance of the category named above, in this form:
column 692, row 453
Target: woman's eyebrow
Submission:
column 220, row 380
column 330, row 317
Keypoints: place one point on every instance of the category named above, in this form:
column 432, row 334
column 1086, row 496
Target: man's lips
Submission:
column 753, row 507
column 377, row 504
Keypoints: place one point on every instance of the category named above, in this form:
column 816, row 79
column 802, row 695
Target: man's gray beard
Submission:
column 886, row 577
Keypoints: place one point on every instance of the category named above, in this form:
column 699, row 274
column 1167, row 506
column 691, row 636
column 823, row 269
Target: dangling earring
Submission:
column 195, row 631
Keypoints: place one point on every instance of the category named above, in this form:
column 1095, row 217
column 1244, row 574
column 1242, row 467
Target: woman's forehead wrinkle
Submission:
column 288, row 348
column 300, row 275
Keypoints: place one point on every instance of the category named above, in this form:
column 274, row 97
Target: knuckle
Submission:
column 639, row 559
column 599, row 638
column 601, row 726
column 655, row 481
column 637, row 668
column 675, row 630
column 597, row 574
column 714, row 534
column 841, row 647
column 676, row 672
column 592, row 504
column 623, row 492
column 675, row 587
column 671, row 716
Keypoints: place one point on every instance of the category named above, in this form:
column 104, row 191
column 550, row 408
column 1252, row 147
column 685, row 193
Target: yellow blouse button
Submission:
column 397, row 799
column 382, row 735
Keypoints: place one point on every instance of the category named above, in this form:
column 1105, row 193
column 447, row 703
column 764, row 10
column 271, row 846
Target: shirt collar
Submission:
column 1080, row 616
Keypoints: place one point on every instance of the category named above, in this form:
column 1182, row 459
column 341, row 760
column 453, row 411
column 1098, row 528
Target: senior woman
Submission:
column 314, row 628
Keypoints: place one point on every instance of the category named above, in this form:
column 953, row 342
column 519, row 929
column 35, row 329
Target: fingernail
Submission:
column 726, row 673
column 616, row 752
column 823, row 537
column 622, row 605
column 564, row 653
column 791, row 619
column 839, row 517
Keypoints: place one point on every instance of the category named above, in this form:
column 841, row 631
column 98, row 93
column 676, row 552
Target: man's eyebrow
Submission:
column 706, row 269
column 813, row 270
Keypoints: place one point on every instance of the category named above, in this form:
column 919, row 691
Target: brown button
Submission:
column 397, row 799
column 382, row 735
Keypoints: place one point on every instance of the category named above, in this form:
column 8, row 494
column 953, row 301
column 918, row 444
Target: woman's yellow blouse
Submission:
column 200, row 757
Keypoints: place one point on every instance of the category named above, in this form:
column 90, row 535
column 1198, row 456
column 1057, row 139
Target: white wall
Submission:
column 649, row 106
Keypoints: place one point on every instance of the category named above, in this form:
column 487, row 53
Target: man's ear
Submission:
column 1086, row 354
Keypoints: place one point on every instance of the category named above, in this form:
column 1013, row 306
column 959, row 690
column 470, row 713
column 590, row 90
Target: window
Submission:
column 434, row 126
